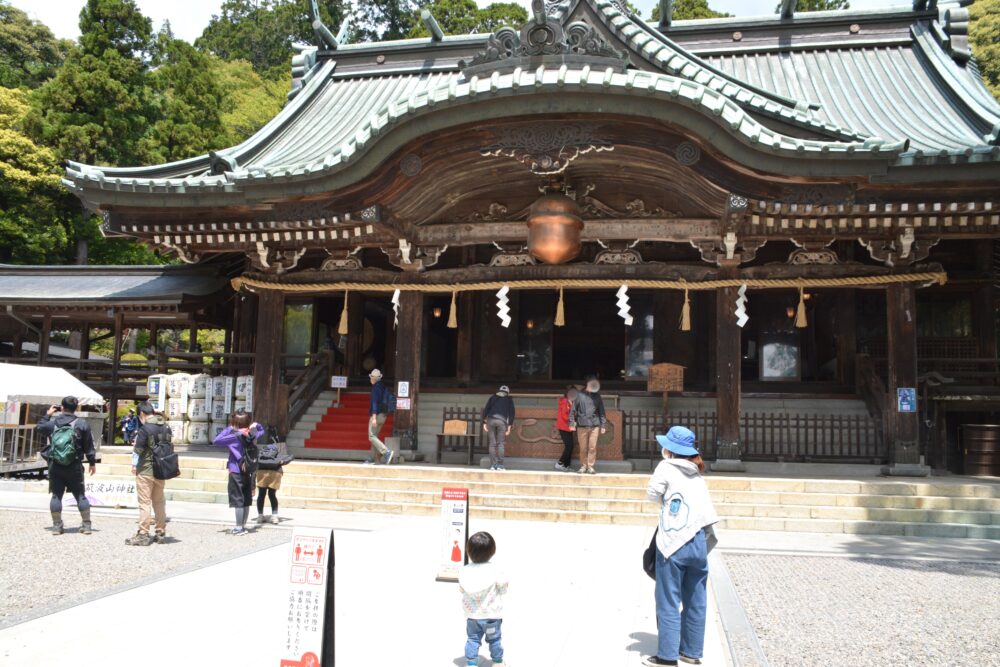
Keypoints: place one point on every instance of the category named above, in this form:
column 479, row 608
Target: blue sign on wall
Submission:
column 906, row 399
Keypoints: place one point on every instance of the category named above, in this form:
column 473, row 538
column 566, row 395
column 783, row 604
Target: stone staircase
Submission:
column 949, row 507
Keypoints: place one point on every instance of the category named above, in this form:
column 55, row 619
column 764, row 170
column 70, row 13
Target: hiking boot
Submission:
column 160, row 538
column 57, row 523
column 387, row 457
column 86, row 528
column 139, row 540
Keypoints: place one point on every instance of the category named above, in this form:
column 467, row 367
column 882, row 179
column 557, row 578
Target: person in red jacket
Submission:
column 562, row 423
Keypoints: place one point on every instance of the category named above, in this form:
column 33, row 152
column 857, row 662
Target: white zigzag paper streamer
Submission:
column 503, row 310
column 623, row 308
column 395, row 309
column 741, row 307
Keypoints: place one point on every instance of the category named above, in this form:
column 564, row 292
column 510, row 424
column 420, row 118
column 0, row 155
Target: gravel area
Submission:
column 43, row 572
column 870, row 612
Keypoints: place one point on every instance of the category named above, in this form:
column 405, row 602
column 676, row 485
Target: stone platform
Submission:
column 945, row 507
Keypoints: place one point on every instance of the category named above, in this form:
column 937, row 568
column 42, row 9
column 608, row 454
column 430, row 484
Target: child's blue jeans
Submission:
column 681, row 580
column 476, row 629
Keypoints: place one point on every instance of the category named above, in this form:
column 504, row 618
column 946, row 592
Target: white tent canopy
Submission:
column 38, row 384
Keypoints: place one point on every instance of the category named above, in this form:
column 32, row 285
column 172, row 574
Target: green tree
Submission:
column 984, row 35
column 464, row 17
column 499, row 14
column 249, row 100
column 189, row 99
column 261, row 32
column 31, row 220
column 29, row 53
column 97, row 107
column 685, row 10
column 817, row 5
column 380, row 20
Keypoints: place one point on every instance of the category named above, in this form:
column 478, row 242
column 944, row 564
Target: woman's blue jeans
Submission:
column 681, row 581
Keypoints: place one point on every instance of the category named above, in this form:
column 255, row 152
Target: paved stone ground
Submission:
column 43, row 572
column 870, row 612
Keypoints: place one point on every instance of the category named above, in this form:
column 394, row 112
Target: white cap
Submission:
column 376, row 374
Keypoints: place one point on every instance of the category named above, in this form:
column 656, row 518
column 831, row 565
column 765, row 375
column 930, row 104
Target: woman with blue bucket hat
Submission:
column 683, row 539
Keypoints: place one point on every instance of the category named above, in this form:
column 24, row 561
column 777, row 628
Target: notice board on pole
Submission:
column 309, row 626
column 455, row 532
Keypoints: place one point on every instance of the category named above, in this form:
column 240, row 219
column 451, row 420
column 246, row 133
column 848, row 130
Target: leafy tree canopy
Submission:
column 685, row 10
column 984, row 35
column 816, row 5
column 379, row 20
column 97, row 108
column 464, row 17
column 29, row 53
column 261, row 32
column 249, row 100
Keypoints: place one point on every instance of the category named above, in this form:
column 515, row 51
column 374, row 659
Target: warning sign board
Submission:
column 455, row 522
column 309, row 632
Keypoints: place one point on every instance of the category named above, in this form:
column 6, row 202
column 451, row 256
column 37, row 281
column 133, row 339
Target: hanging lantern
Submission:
column 554, row 227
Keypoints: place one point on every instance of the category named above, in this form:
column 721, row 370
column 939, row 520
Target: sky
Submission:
column 189, row 17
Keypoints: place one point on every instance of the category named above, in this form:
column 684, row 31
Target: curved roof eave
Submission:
column 723, row 123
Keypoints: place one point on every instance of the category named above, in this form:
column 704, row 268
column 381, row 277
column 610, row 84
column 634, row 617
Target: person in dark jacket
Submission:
column 498, row 420
column 148, row 488
column 588, row 419
column 63, row 477
column 238, row 436
column 378, row 412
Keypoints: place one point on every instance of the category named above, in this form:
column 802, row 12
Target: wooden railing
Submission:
column 307, row 385
column 765, row 436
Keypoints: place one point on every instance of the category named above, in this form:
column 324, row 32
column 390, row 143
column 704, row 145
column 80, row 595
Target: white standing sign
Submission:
column 338, row 382
column 455, row 535
column 230, row 382
column 309, row 573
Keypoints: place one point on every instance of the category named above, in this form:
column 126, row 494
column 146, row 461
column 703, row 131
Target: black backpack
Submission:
column 251, row 456
column 165, row 462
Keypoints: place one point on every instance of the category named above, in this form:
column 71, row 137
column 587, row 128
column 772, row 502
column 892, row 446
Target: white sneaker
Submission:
column 582, row 470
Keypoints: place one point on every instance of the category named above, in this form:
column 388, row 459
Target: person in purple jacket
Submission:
column 238, row 436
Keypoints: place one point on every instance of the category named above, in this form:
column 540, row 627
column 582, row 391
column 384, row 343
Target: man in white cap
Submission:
column 378, row 410
column 498, row 419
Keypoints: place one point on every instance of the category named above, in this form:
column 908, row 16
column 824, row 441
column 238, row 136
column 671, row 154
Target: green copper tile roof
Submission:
column 901, row 102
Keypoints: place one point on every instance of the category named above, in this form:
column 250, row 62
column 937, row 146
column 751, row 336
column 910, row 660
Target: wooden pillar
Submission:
column 248, row 318
column 846, row 336
column 193, row 338
column 903, row 427
column 728, row 377
column 356, row 335
column 267, row 357
column 465, row 305
column 17, row 344
column 409, row 342
column 43, row 340
column 984, row 324
column 116, row 359
column 85, row 342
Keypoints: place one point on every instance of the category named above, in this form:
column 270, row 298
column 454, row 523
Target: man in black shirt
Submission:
column 68, row 476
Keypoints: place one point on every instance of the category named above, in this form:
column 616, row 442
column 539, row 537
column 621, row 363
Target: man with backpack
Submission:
column 70, row 441
column 152, row 431
column 381, row 404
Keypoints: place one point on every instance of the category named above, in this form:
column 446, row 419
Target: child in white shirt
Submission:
column 483, row 586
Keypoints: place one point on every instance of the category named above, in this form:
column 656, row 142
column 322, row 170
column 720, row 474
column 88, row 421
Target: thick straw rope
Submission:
column 753, row 283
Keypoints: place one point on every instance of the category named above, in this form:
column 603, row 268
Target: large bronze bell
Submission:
column 554, row 227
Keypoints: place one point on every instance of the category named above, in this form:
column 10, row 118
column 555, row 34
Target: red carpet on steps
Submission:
column 346, row 427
